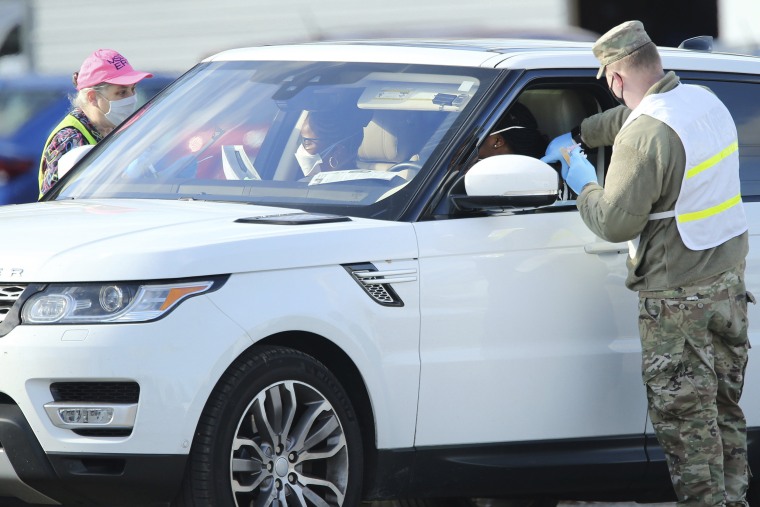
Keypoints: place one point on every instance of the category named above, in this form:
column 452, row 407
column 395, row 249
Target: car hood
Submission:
column 147, row 239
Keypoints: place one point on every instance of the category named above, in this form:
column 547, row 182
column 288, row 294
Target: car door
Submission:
column 528, row 332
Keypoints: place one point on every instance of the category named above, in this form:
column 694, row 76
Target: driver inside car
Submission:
column 515, row 133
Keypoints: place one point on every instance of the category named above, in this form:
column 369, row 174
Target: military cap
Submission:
column 618, row 43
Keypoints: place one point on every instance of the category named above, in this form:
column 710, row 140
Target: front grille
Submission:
column 8, row 296
column 96, row 392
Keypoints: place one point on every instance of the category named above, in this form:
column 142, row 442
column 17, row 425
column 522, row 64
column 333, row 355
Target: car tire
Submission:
column 277, row 424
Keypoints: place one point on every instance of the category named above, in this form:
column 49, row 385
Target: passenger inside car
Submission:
column 330, row 141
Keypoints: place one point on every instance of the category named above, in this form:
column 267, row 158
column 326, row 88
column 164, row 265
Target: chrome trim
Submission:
column 124, row 415
column 381, row 277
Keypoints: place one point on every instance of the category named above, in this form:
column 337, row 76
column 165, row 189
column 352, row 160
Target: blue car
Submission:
column 30, row 106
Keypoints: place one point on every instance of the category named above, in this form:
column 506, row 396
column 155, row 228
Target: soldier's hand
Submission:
column 553, row 153
column 579, row 172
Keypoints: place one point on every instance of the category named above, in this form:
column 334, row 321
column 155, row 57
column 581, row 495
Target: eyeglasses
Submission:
column 309, row 141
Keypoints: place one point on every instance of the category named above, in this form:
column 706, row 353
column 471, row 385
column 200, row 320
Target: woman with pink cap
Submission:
column 105, row 97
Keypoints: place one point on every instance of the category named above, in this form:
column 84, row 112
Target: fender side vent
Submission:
column 377, row 284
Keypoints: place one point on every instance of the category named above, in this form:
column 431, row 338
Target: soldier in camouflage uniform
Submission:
column 672, row 190
column 694, row 345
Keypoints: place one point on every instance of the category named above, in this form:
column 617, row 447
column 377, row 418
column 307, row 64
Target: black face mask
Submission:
column 619, row 99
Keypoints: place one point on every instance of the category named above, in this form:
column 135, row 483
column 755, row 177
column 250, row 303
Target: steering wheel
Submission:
column 187, row 163
column 401, row 166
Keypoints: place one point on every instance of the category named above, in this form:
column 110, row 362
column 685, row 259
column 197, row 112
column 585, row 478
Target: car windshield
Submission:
column 349, row 138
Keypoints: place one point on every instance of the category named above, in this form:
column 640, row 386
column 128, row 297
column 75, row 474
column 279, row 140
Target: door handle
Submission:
column 601, row 247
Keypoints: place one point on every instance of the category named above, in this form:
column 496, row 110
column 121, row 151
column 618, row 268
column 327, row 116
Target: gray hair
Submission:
column 79, row 99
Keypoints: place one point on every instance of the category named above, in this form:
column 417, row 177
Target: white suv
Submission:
column 193, row 318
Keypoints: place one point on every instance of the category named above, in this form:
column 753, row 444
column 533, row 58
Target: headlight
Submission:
column 110, row 302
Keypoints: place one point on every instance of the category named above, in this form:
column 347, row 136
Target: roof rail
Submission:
column 701, row 43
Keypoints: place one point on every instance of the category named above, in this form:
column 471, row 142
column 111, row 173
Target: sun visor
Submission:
column 418, row 92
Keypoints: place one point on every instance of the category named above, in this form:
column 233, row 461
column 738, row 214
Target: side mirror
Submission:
column 509, row 181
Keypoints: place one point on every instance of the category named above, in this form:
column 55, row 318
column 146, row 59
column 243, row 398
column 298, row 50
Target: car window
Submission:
column 741, row 99
column 234, row 131
column 556, row 106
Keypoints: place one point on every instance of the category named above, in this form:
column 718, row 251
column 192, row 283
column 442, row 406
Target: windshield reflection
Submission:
column 340, row 137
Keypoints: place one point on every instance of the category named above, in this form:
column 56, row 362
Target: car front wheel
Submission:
column 277, row 430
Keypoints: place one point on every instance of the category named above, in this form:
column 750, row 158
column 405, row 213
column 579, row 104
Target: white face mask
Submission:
column 307, row 161
column 119, row 110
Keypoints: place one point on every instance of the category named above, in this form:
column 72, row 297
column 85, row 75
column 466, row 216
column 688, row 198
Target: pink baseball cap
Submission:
column 108, row 66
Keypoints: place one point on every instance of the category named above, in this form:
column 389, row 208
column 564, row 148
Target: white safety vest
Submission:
column 709, row 208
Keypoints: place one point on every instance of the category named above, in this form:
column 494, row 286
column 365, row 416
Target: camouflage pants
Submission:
column 694, row 354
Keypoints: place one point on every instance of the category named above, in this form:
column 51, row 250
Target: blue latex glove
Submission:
column 552, row 151
column 580, row 172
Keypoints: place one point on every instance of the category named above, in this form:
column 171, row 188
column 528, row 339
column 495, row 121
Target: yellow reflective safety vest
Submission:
column 709, row 208
column 68, row 121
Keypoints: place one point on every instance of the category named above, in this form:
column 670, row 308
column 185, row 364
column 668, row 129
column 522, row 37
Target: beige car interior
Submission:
column 388, row 140
column 558, row 111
